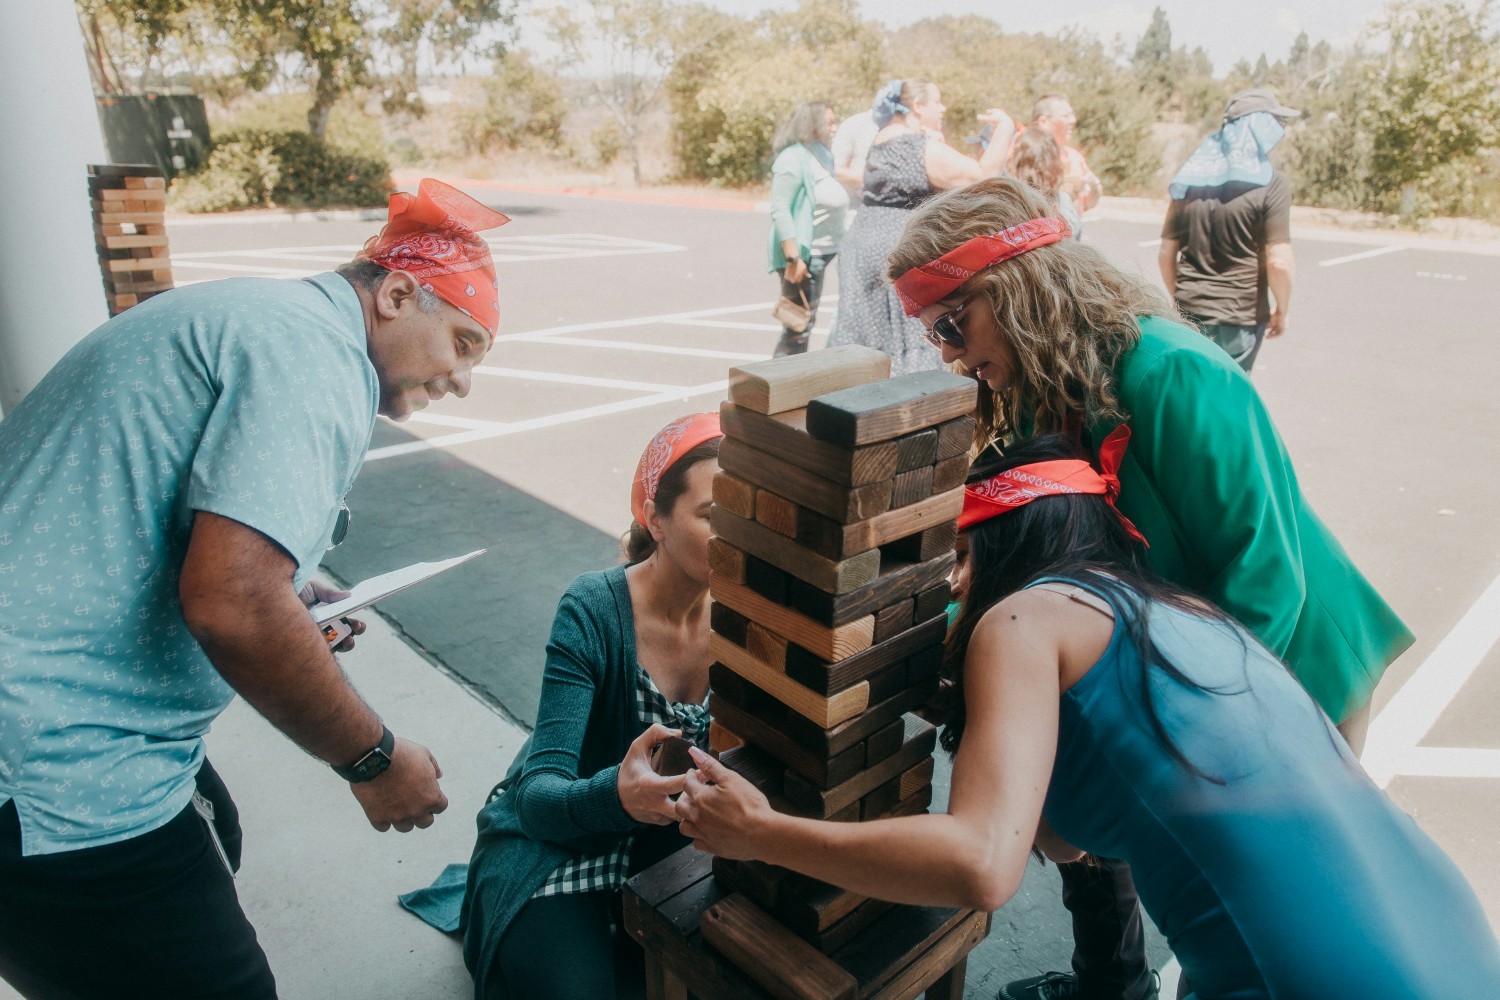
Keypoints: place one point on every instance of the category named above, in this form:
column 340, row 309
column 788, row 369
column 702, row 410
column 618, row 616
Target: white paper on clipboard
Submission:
column 378, row 588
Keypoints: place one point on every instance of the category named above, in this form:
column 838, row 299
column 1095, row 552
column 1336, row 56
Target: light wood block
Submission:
column 785, row 435
column 785, row 965
column 898, row 581
column 834, row 576
column 915, row 779
column 950, row 472
column 721, row 739
column 826, row 678
column 788, row 383
column 827, row 712
column 833, row 540
column 842, row 503
column 147, row 198
column 909, row 487
column 955, row 437
column 777, row 513
column 725, row 560
column 734, row 494
column 820, row 640
column 132, row 242
column 766, row 646
column 118, row 217
column 820, row 768
column 868, row 413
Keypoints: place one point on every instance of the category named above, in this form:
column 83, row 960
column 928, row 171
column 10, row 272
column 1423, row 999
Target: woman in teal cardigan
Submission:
column 1067, row 342
column 808, row 207
column 582, row 808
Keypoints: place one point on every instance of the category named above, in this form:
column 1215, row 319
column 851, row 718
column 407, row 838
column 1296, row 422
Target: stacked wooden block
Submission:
column 833, row 530
column 130, row 232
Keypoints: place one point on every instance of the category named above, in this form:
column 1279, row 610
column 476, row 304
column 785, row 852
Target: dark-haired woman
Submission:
column 582, row 808
column 1101, row 709
column 1035, row 158
column 808, row 207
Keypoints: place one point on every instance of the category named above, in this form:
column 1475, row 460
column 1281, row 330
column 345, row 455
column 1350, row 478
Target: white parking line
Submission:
column 1333, row 261
column 554, row 420
column 571, row 379
column 1450, row 762
column 1416, row 707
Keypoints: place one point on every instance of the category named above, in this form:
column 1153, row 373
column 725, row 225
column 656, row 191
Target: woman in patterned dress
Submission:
column 908, row 162
column 582, row 807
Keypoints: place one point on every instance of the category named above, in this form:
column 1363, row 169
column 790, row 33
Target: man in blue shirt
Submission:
column 165, row 494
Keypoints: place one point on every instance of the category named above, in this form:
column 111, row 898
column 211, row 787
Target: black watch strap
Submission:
column 372, row 763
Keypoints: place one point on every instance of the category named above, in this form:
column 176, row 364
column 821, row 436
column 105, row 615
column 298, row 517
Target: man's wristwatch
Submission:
column 372, row 763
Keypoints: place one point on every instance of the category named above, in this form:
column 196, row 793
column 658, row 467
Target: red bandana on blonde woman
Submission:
column 1017, row 487
column 932, row 282
column 433, row 236
column 670, row 443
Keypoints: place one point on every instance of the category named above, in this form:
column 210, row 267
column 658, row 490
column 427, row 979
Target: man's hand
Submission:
column 645, row 795
column 407, row 794
column 721, row 811
column 1277, row 324
column 317, row 593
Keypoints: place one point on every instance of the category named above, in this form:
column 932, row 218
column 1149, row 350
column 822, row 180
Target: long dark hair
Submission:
column 1076, row 536
column 636, row 543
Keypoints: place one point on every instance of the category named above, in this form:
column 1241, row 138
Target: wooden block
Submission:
column 123, row 170
column 152, row 264
column 785, row 965
column 757, row 767
column 725, row 560
column 950, row 472
column 846, row 930
column 830, row 742
column 933, row 602
column 912, row 805
column 914, row 779
column 920, row 738
column 728, row 623
column 788, row 383
column 670, row 757
column 886, row 742
column 916, row 450
column 785, row 435
column 826, row 678
column 955, row 437
column 766, row 646
column 927, row 662
column 924, row 545
column 882, row 800
column 807, row 907
column 721, row 740
column 842, row 503
column 834, row 576
column 826, row 711
column 777, row 513
column 734, row 495
column 899, row 581
column 883, row 410
column 141, row 181
column 888, row 681
column 909, row 487
column 831, row 643
column 149, row 199
column 834, row 540
column 766, row 580
column 893, row 620
column 117, row 217
column 132, row 242
column 760, row 883
column 819, row 768
column 138, row 285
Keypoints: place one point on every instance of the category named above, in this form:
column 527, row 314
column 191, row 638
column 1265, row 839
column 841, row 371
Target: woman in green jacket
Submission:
column 582, row 807
column 808, row 208
column 1067, row 342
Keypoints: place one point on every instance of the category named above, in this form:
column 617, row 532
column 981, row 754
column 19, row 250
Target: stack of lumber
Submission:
column 130, row 232
column 833, row 530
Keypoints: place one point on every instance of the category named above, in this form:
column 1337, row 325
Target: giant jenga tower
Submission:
column 130, row 232
column 833, row 530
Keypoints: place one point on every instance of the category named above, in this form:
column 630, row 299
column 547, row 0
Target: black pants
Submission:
column 154, row 916
column 1109, row 941
column 574, row 945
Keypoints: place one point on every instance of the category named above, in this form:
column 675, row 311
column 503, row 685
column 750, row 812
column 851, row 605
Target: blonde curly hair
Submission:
column 1068, row 313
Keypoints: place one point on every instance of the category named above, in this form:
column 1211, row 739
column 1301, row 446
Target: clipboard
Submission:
column 378, row 588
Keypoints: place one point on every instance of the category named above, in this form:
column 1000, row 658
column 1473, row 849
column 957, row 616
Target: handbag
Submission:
column 794, row 315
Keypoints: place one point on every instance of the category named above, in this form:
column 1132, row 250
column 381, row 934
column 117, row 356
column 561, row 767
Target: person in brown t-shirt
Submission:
column 1226, row 250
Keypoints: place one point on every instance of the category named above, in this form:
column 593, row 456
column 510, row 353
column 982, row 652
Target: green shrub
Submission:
column 522, row 108
column 258, row 168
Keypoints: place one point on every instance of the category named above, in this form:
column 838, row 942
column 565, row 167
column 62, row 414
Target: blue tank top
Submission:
column 1294, row 877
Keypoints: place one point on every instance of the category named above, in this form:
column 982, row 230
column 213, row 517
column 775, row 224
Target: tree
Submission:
column 1154, row 50
column 441, row 29
column 138, row 33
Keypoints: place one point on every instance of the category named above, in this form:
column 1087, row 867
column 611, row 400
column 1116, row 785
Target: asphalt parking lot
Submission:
column 618, row 316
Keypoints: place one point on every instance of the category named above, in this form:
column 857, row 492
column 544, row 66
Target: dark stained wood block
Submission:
column 955, row 437
column 916, row 450
column 831, row 499
column 950, row 472
column 879, row 411
column 725, row 560
column 893, row 620
column 830, row 642
column 827, row 677
column 888, row 681
column 728, row 622
column 924, row 545
column 834, row 576
column 927, row 662
column 824, row 710
column 765, row 579
column 734, row 495
column 785, row 435
column 898, row 582
column 776, row 512
column 789, row 383
column 846, row 930
column 918, row 743
column 773, row 956
column 909, row 487
column 885, row 742
column 934, row 602
column 835, row 540
column 881, row 801
column 815, row 767
column 671, row 757
column 757, row 767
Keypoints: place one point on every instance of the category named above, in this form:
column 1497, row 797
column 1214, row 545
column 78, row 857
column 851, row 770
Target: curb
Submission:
column 723, row 203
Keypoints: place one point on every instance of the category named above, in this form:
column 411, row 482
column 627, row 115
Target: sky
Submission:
column 1226, row 31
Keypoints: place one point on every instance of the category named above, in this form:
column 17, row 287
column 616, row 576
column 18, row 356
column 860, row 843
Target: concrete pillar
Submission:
column 50, row 291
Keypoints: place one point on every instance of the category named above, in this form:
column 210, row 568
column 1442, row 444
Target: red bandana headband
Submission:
column 670, row 443
column 921, row 286
column 433, row 236
column 1017, row 487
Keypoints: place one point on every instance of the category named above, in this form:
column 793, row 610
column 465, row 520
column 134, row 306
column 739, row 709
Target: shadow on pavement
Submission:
column 486, row 621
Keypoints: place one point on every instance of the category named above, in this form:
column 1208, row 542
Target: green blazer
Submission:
column 1208, row 481
column 792, row 183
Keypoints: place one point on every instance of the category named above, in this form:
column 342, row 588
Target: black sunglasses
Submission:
column 945, row 330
